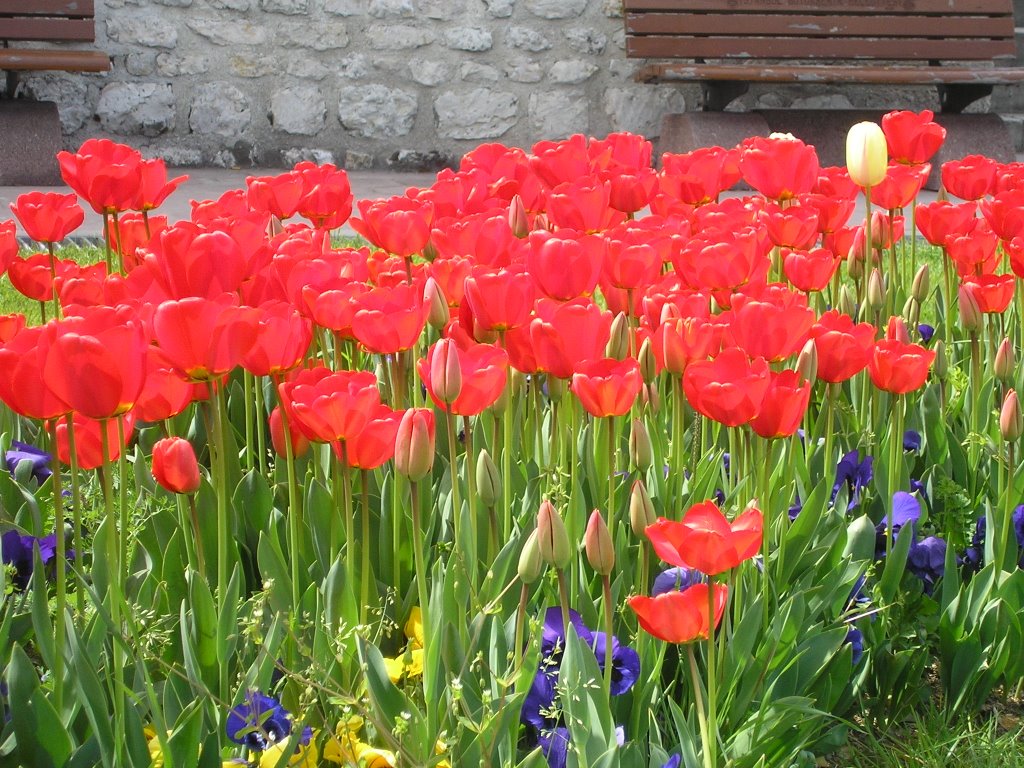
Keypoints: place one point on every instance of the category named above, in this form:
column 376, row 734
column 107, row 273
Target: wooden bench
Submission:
column 49, row 21
column 951, row 44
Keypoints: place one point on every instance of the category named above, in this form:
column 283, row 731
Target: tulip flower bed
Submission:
column 576, row 463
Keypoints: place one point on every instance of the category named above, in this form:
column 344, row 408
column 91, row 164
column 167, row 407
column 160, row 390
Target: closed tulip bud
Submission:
column 439, row 313
column 445, row 371
column 552, row 537
column 922, row 284
column 618, row 342
column 1011, row 421
column 597, row 542
column 941, row 365
column 531, row 564
column 648, row 364
column 500, row 405
column 970, row 313
column 556, row 388
column 414, row 444
column 175, row 466
column 650, row 398
column 300, row 443
column 518, row 221
column 381, row 372
column 669, row 311
column 867, row 157
column 641, row 509
column 847, row 303
column 876, row 290
column 488, row 479
column 912, row 311
column 1005, row 362
column 897, row 329
column 807, row 362
column 641, row 452
column 517, row 381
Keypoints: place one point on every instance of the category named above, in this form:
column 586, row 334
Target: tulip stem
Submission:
column 114, row 588
column 517, row 649
column 261, row 444
column 506, row 472
column 61, row 575
column 828, row 465
column 76, row 507
column 294, row 510
column 197, row 532
column 364, row 545
column 895, row 462
column 417, row 550
column 698, row 701
column 470, row 466
column 712, row 746
column 976, row 382
column 247, row 380
column 453, row 472
column 563, row 598
column 606, row 588
column 611, row 480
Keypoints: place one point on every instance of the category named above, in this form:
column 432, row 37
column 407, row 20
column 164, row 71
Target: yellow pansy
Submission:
column 345, row 748
column 414, row 628
column 306, row 757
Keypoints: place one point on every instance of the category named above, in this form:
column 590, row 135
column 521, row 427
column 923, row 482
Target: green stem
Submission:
column 453, row 471
column 417, row 549
column 895, row 463
column 294, row 508
column 61, row 576
column 606, row 589
column 611, row 479
column 364, row 545
column 261, row 439
column 76, row 511
column 701, row 715
column 470, row 467
column 712, row 678
column 250, row 438
column 563, row 599
column 114, row 588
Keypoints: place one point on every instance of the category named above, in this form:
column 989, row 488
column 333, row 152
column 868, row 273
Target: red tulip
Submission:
column 632, row 262
column 942, row 220
column 899, row 368
column 772, row 325
column 175, row 466
column 48, row 217
column 970, row 178
column 97, row 362
column 330, row 405
column 680, row 617
column 375, row 443
column 901, row 185
column 333, row 304
column 23, row 385
column 780, row 166
column 500, row 299
column 133, row 234
column 725, row 261
column 204, row 339
column 784, row 405
column 556, row 162
column 186, row 261
column 483, row 371
column 992, row 292
column 10, row 326
column 843, row 347
column 300, row 443
column 700, row 176
column 89, row 440
column 679, row 341
column 486, row 237
column 164, row 393
column 281, row 340
column 390, row 320
column 834, row 181
column 833, row 212
column 728, row 389
column 154, row 187
column 607, row 387
column 630, row 189
column 277, row 195
column 1005, row 213
column 976, row 253
column 809, row 271
column 326, row 195
column 792, row 227
column 912, row 138
column 563, row 335
column 399, row 225
column 583, row 205
column 105, row 174
column 565, row 265
column 8, row 244
column 704, row 539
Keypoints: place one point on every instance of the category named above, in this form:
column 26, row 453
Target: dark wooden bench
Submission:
column 955, row 45
column 49, row 21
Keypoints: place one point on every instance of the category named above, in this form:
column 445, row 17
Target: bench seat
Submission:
column 49, row 21
column 962, row 46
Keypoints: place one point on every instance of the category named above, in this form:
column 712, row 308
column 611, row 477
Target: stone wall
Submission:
column 382, row 83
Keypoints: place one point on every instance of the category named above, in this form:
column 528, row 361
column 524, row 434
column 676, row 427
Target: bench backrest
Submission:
column 47, row 20
column 927, row 30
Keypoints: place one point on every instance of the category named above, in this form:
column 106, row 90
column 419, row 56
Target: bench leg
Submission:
column 12, row 84
column 718, row 94
column 955, row 97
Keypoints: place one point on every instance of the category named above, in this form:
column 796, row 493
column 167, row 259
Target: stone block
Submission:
column 687, row 131
column 31, row 131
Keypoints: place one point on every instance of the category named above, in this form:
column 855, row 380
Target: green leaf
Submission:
column 43, row 741
column 584, row 702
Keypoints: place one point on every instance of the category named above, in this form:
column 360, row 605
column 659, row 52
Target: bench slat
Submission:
column 681, row 47
column 809, row 25
column 64, row 8
column 837, row 7
column 71, row 61
column 831, row 74
column 47, row 29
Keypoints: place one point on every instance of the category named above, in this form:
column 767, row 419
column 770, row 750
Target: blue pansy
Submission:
column 911, row 441
column 926, row 332
column 625, row 662
column 554, row 745
column 40, row 460
column 678, row 578
column 260, row 721
column 855, row 473
column 906, row 510
column 674, row 762
column 927, row 560
column 855, row 639
column 18, row 554
column 795, row 508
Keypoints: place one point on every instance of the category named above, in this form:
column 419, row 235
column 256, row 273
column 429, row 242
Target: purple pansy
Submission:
column 678, row 578
column 855, row 473
column 260, row 721
column 40, row 460
column 927, row 560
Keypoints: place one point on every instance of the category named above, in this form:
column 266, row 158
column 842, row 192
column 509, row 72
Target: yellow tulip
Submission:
column 867, row 157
